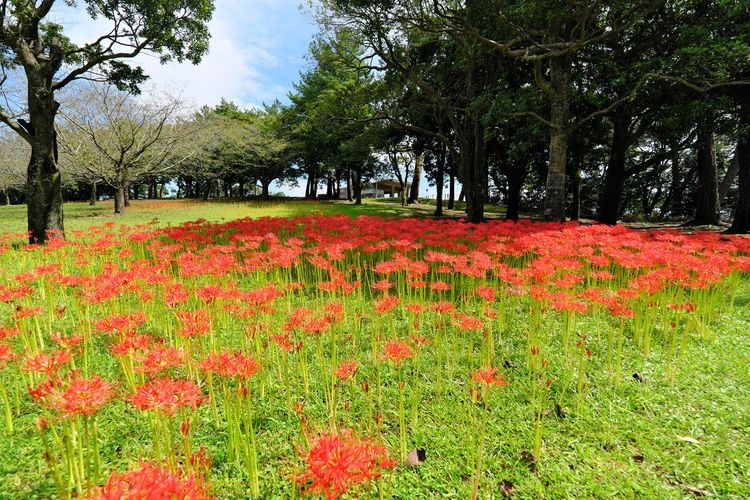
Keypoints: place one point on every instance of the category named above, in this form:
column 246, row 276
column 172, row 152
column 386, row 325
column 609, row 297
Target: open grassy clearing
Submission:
column 583, row 308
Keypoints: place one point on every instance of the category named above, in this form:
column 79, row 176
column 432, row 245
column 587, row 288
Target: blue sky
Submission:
column 257, row 51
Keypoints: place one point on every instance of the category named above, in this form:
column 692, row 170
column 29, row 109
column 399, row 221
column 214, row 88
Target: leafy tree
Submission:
column 50, row 61
column 119, row 139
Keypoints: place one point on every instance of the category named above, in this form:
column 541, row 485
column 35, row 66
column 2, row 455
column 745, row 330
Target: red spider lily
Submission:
column 346, row 370
column 228, row 364
column 286, row 342
column 468, row 323
column 385, row 304
column 123, row 323
column 440, row 286
column 151, row 482
column 6, row 354
column 84, row 396
column 195, row 323
column 487, row 293
column 382, row 285
column 337, row 462
column 130, row 344
column 7, row 332
column 397, row 351
column 66, row 342
column 47, row 362
column 489, row 377
column 157, row 359
column 442, row 307
column 167, row 395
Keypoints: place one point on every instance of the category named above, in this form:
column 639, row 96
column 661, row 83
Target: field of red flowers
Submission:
column 327, row 355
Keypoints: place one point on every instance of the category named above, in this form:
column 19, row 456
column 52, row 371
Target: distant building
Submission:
column 379, row 189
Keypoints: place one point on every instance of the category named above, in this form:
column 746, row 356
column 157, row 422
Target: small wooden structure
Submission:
column 379, row 189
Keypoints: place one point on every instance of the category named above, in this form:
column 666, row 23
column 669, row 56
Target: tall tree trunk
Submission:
column 120, row 191
column 7, row 196
column 44, row 182
column 610, row 198
column 741, row 222
column 554, row 197
column 92, row 197
column 127, row 195
column 451, row 183
column 729, row 177
column 266, row 185
column 440, row 177
column 416, row 178
column 515, row 174
column 707, row 196
column 575, row 187
column 358, row 187
column 348, row 184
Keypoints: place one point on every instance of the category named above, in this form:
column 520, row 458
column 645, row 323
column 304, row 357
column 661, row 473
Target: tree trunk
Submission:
column 451, row 186
column 416, row 178
column 575, row 187
column 554, row 197
column 515, row 174
column 7, row 196
column 610, row 198
column 358, row 187
column 120, row 199
column 729, row 177
column 44, row 183
column 92, row 198
column 707, row 196
column 741, row 222
column 127, row 195
column 266, row 192
column 440, row 160
column 349, row 184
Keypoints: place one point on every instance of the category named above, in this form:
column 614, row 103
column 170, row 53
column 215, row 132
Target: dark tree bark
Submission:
column 741, row 222
column 348, row 184
column 610, row 199
column 575, row 187
column 266, row 188
column 451, row 187
column 559, row 93
column 92, row 198
column 516, row 175
column 44, row 183
column 439, row 178
column 358, row 187
column 729, row 177
column 120, row 199
column 707, row 196
column 7, row 196
column 416, row 178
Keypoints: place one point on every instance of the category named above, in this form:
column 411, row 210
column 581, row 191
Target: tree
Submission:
column 50, row 61
column 14, row 153
column 120, row 139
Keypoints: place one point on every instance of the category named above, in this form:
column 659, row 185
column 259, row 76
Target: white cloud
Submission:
column 256, row 52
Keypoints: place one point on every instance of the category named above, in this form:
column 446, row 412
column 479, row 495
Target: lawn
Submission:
column 396, row 357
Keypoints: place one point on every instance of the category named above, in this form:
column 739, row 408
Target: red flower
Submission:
column 227, row 364
column 346, row 370
column 167, row 395
column 84, row 396
column 153, row 483
column 397, row 351
column 6, row 354
column 47, row 362
column 489, row 377
column 337, row 462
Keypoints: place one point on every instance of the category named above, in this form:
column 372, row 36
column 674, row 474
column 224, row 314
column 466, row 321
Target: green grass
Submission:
column 660, row 438
column 80, row 215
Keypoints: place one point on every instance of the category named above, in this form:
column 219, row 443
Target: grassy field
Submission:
column 621, row 356
column 80, row 215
